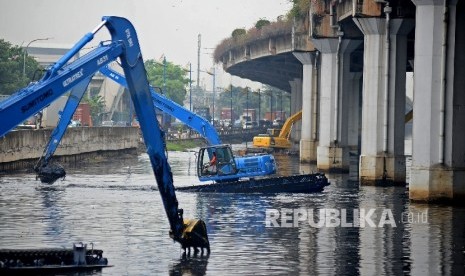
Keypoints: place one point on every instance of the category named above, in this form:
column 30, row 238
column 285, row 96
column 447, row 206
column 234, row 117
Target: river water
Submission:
column 115, row 205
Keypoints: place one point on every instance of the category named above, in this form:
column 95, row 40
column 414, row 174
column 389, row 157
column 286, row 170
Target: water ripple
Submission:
column 117, row 206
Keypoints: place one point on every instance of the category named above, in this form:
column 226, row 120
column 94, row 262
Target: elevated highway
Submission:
column 345, row 64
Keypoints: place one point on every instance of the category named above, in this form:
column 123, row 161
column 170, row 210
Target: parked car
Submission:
column 108, row 123
column 237, row 124
column 75, row 123
column 135, row 123
column 264, row 123
column 278, row 122
column 247, row 125
column 122, row 123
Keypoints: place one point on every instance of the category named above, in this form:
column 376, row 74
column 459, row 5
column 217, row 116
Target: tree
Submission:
column 239, row 99
column 238, row 33
column 299, row 9
column 270, row 99
column 175, row 79
column 11, row 68
column 261, row 23
column 97, row 106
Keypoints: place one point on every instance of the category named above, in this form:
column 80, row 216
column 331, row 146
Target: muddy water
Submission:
column 115, row 205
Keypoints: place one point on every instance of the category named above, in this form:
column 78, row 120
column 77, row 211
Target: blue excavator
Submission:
column 64, row 76
column 228, row 167
column 232, row 174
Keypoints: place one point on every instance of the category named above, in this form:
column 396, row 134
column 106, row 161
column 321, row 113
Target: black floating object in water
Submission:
column 51, row 173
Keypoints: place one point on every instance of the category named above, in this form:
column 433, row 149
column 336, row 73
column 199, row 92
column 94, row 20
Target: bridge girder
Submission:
column 275, row 70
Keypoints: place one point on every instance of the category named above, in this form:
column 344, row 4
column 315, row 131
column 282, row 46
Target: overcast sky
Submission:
column 168, row 27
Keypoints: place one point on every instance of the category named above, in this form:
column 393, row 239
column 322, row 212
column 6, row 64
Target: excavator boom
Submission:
column 286, row 129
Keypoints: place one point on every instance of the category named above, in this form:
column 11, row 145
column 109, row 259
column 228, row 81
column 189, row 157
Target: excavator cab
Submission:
column 273, row 132
column 216, row 161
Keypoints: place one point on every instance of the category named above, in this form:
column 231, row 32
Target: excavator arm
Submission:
column 245, row 166
column 286, row 129
column 47, row 172
column 60, row 78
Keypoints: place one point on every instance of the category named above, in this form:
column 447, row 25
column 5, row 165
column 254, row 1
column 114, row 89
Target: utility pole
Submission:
column 25, row 52
column 214, row 94
column 198, row 59
column 259, row 111
column 190, row 86
column 247, row 106
column 164, row 74
column 232, row 122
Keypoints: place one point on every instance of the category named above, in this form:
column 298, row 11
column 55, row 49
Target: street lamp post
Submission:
column 247, row 106
column 164, row 74
column 271, row 106
column 214, row 94
column 190, row 90
column 259, row 111
column 25, row 51
column 164, row 117
column 231, row 110
column 289, row 102
column 247, row 114
column 190, row 86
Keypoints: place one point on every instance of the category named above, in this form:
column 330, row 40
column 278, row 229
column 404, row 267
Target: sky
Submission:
column 164, row 27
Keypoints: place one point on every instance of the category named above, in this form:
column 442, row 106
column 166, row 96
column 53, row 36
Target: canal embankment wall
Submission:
column 21, row 149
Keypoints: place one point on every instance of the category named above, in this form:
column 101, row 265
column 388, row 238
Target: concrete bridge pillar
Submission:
column 352, row 87
column 329, row 152
column 308, row 141
column 296, row 105
column 349, row 98
column 438, row 157
column 382, row 157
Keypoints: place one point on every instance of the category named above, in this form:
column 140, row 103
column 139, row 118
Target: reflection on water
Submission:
column 115, row 204
column 190, row 265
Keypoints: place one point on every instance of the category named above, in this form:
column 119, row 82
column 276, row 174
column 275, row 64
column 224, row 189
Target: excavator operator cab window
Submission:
column 226, row 164
column 222, row 164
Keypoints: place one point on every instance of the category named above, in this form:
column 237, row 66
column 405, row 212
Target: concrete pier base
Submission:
column 437, row 184
column 333, row 159
column 308, row 151
column 382, row 170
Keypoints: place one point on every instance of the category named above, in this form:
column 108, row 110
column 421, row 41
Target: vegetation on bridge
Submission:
column 265, row 29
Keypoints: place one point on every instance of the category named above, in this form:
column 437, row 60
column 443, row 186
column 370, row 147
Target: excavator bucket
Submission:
column 50, row 173
column 195, row 235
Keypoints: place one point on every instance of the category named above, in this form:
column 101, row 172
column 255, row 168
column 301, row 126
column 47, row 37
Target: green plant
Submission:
column 171, row 79
column 13, row 62
column 238, row 32
column 97, row 106
column 262, row 22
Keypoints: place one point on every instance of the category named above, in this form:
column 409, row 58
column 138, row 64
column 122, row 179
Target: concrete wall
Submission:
column 29, row 144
